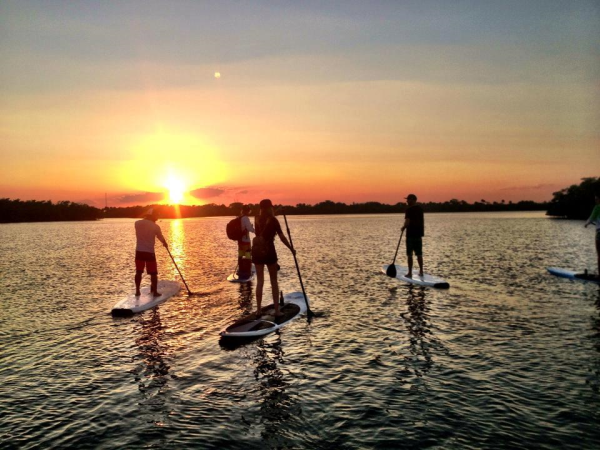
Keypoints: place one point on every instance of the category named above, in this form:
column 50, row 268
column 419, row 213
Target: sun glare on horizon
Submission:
column 176, row 190
column 173, row 163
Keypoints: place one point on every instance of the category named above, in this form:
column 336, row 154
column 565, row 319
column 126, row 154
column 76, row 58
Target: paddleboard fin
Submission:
column 120, row 312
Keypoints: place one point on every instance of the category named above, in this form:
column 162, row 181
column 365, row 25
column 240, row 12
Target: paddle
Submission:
column 183, row 279
column 309, row 313
column 391, row 270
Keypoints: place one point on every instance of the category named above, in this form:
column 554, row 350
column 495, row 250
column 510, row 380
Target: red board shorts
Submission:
column 146, row 260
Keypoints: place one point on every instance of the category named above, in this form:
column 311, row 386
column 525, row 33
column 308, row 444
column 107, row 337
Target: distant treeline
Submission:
column 326, row 207
column 576, row 201
column 45, row 211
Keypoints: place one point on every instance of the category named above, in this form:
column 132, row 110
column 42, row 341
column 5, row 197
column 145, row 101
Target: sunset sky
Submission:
column 297, row 101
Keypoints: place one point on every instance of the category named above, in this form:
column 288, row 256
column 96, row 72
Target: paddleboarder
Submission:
column 146, row 230
column 244, row 245
column 264, row 253
column 414, row 224
column 595, row 219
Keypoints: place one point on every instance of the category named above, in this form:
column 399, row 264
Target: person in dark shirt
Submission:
column 414, row 224
column 267, row 227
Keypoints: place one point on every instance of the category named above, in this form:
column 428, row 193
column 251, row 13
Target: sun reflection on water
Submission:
column 176, row 241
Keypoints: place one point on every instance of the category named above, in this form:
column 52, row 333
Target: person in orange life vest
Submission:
column 244, row 245
column 146, row 230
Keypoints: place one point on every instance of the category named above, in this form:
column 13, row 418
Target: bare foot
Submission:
column 138, row 293
column 408, row 275
column 421, row 274
column 156, row 294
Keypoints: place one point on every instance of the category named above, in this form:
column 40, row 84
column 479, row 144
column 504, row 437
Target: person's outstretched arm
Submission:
column 247, row 225
column 285, row 241
column 160, row 237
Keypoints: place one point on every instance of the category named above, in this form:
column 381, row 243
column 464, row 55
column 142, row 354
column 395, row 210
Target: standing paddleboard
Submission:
column 572, row 275
column 132, row 304
column 425, row 280
column 250, row 327
column 234, row 278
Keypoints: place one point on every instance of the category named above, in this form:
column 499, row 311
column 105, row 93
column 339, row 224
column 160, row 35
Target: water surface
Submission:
column 508, row 356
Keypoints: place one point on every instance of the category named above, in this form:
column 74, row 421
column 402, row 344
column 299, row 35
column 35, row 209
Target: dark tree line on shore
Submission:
column 45, row 211
column 326, row 207
column 576, row 201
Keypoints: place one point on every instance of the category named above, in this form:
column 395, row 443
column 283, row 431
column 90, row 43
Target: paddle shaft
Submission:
column 183, row 279
column 397, row 247
column 308, row 311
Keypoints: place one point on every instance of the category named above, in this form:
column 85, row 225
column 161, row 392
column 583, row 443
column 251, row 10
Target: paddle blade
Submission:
column 391, row 271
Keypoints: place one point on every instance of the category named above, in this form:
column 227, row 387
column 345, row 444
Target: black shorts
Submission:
column 271, row 257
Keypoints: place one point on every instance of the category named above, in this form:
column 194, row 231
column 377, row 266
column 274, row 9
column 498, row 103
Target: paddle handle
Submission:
column 183, row 279
column 308, row 311
column 397, row 247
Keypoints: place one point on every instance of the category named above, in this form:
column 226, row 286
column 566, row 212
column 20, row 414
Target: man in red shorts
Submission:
column 145, row 232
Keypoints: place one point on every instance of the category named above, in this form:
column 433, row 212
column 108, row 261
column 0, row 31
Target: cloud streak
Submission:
column 535, row 187
column 204, row 193
column 141, row 197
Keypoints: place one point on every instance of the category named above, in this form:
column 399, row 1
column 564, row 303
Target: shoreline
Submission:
column 293, row 214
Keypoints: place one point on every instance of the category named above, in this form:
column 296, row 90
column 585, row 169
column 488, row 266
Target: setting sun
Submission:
column 176, row 190
column 173, row 163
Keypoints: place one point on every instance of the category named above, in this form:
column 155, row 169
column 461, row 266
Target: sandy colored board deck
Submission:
column 425, row 280
column 132, row 304
column 233, row 278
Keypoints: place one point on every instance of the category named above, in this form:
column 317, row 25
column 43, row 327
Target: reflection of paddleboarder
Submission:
column 595, row 218
column 145, row 232
column 414, row 224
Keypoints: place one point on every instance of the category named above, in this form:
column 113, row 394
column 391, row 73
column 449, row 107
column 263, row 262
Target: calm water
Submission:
column 508, row 357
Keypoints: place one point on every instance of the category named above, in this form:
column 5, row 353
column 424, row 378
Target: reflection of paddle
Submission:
column 391, row 270
column 183, row 279
column 309, row 313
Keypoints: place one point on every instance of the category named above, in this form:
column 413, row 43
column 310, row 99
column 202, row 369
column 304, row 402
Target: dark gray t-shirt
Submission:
column 416, row 225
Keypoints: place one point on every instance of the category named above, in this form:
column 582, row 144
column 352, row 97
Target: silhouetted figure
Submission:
column 263, row 252
column 145, row 258
column 595, row 218
column 244, row 247
column 414, row 224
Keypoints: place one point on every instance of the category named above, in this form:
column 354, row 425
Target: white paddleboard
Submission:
column 132, row 304
column 572, row 275
column 234, row 278
column 293, row 307
column 425, row 280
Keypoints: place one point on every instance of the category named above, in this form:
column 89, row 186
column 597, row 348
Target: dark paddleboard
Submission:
column 293, row 306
